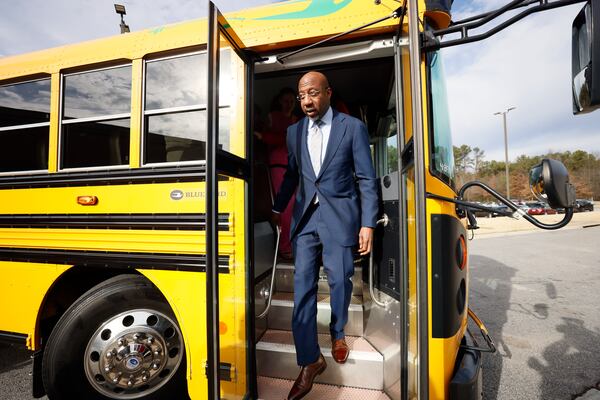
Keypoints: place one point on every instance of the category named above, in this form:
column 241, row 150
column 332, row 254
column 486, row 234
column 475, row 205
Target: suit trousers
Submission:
column 311, row 241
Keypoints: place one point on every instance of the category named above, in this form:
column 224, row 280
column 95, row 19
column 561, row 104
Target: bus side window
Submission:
column 96, row 118
column 175, row 109
column 24, row 126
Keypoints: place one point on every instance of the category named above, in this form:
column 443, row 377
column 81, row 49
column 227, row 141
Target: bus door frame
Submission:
column 221, row 162
column 422, row 278
column 402, row 225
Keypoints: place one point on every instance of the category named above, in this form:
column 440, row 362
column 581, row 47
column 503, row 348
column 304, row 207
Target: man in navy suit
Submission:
column 329, row 164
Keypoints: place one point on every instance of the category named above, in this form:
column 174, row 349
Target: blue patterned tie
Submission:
column 316, row 146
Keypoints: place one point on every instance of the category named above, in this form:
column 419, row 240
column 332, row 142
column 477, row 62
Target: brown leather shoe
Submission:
column 305, row 380
column 340, row 350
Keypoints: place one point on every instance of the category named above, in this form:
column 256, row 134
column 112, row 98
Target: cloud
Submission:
column 525, row 66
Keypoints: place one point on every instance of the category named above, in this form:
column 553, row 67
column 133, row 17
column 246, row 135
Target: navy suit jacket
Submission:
column 346, row 184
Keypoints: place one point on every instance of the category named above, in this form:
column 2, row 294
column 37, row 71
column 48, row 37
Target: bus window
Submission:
column 24, row 126
column 96, row 118
column 175, row 108
column 442, row 164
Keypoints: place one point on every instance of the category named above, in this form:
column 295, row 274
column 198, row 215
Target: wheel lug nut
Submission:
column 109, row 354
column 150, row 340
column 136, row 336
column 155, row 366
column 107, row 368
column 120, row 342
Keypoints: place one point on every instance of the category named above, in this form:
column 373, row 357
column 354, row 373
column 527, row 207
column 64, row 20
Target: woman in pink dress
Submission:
column 280, row 117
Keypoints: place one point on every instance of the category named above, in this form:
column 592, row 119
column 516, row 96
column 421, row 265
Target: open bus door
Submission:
column 227, row 166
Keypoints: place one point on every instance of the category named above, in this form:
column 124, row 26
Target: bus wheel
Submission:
column 119, row 340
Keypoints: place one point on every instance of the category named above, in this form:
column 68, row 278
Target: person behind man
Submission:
column 328, row 154
column 280, row 118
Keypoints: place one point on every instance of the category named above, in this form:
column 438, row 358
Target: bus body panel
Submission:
column 267, row 28
column 270, row 28
column 23, row 288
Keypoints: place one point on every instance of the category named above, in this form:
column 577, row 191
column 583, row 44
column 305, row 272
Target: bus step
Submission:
column 284, row 280
column 277, row 389
column 282, row 305
column 276, row 358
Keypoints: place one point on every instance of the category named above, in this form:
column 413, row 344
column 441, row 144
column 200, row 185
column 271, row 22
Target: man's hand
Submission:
column 276, row 219
column 365, row 240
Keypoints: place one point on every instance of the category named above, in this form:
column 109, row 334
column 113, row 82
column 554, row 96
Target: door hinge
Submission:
column 226, row 371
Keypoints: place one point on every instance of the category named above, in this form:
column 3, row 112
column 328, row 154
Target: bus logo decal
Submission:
column 176, row 195
column 315, row 9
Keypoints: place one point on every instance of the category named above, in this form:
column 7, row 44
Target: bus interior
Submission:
column 362, row 78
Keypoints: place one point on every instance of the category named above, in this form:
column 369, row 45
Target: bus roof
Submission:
column 263, row 29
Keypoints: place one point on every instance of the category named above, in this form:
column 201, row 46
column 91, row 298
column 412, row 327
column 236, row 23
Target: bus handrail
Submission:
column 270, row 294
column 383, row 221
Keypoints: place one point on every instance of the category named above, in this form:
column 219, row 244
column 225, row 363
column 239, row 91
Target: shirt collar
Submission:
column 326, row 119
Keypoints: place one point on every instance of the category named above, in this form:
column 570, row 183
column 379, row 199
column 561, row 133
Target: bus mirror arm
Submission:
column 397, row 13
column 463, row 207
column 517, row 212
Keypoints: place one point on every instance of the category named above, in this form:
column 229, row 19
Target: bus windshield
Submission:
column 442, row 160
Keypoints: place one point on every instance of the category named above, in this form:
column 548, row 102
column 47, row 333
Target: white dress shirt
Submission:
column 326, row 121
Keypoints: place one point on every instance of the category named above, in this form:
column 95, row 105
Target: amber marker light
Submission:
column 87, row 200
column 461, row 252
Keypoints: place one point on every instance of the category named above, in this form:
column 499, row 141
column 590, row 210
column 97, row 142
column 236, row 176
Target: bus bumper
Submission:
column 466, row 382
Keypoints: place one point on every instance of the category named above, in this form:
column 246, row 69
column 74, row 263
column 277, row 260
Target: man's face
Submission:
column 314, row 94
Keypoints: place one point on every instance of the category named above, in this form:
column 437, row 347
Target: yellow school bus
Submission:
column 136, row 253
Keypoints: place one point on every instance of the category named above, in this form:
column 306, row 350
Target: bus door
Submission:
column 388, row 289
column 227, row 187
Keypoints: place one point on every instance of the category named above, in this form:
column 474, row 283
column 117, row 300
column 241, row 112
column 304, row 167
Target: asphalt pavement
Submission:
column 538, row 294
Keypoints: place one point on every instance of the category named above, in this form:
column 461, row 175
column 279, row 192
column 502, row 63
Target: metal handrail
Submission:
column 270, row 294
column 383, row 221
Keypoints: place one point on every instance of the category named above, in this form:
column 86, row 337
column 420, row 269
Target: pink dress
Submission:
column 275, row 139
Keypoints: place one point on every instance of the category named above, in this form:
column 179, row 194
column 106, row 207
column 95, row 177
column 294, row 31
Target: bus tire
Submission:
column 119, row 340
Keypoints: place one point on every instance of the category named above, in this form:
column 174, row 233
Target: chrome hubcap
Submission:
column 133, row 354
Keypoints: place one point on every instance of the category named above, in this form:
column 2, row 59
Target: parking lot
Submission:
column 506, row 225
column 538, row 294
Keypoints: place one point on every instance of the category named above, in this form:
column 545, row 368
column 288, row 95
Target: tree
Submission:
column 583, row 167
column 461, row 158
column 478, row 156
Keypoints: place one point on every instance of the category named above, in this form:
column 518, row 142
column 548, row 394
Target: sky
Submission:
column 526, row 66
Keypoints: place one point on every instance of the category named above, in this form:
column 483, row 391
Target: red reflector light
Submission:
column 461, row 252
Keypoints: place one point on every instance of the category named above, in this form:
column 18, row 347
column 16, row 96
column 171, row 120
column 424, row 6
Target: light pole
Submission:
column 503, row 113
column 120, row 9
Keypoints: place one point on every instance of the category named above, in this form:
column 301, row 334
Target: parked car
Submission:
column 550, row 211
column 583, row 205
column 536, row 208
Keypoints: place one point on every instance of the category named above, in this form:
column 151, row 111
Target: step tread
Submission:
column 321, row 298
column 287, row 265
column 277, row 389
column 284, row 341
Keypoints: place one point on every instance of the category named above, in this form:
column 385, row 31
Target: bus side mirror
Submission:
column 549, row 182
column 586, row 59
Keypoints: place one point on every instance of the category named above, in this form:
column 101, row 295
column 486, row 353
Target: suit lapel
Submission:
column 338, row 130
column 304, row 154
